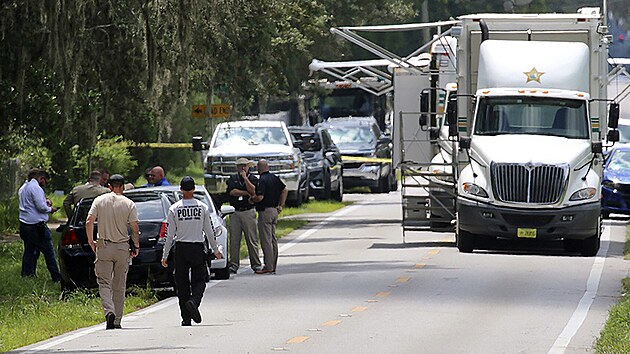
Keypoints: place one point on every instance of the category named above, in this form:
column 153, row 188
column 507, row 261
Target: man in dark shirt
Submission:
column 241, row 188
column 271, row 194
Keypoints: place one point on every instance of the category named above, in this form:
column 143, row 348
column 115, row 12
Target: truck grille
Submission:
column 528, row 183
column 227, row 165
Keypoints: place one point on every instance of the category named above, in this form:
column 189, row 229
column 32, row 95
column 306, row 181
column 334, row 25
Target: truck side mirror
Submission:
column 613, row 136
column 451, row 116
column 464, row 142
column 198, row 144
column 613, row 115
column 424, row 108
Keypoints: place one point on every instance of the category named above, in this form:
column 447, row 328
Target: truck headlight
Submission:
column 473, row 189
column 584, row 193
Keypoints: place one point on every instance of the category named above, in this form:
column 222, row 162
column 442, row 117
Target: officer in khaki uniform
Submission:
column 113, row 212
column 90, row 189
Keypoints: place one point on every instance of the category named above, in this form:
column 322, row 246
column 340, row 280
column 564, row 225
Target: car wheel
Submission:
column 222, row 274
column 326, row 191
column 295, row 198
column 605, row 215
column 338, row 194
column 465, row 241
column 394, row 185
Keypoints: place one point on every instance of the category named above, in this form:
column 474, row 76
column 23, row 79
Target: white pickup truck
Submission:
column 253, row 140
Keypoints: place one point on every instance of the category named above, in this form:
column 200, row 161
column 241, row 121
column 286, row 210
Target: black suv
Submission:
column 367, row 153
column 323, row 161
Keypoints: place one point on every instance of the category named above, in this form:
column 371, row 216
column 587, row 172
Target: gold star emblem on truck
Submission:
column 533, row 75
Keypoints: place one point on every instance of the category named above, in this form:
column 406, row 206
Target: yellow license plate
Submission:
column 525, row 233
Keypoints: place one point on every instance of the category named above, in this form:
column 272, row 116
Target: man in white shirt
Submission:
column 34, row 210
column 189, row 227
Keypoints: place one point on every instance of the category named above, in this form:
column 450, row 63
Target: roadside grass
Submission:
column 615, row 337
column 33, row 309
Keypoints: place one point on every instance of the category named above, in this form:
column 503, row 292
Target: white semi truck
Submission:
column 531, row 111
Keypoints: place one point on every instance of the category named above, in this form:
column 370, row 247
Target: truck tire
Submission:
column 590, row 245
column 465, row 241
column 326, row 192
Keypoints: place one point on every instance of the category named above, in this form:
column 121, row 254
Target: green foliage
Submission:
column 9, row 222
column 110, row 153
column 615, row 337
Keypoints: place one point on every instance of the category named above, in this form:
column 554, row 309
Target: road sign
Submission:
column 220, row 110
column 199, row 111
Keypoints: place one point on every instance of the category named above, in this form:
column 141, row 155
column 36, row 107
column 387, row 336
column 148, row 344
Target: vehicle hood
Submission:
column 312, row 155
column 251, row 150
column 357, row 148
column 620, row 175
column 530, row 148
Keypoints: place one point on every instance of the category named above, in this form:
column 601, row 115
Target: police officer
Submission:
column 241, row 187
column 188, row 220
column 114, row 212
column 90, row 189
column 271, row 194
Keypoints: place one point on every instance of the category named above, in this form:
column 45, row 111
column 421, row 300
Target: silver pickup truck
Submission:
column 253, row 140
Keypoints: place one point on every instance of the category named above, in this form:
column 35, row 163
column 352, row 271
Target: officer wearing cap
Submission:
column 189, row 225
column 241, row 188
column 114, row 212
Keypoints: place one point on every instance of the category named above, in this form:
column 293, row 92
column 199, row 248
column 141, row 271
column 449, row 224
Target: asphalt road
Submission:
column 347, row 284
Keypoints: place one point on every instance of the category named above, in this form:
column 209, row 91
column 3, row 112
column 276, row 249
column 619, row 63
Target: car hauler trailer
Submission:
column 531, row 112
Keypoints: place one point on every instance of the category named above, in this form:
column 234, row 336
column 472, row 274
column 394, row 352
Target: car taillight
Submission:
column 70, row 238
column 163, row 231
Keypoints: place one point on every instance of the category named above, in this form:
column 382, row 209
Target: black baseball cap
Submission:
column 187, row 184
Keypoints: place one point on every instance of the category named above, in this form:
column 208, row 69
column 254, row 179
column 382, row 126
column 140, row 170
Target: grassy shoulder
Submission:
column 34, row 309
column 615, row 337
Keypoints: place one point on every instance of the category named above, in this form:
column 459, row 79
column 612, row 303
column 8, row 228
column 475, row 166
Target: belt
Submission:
column 244, row 209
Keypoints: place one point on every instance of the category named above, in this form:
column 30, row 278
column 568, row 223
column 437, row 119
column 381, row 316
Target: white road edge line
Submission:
column 171, row 301
column 580, row 313
column 317, row 227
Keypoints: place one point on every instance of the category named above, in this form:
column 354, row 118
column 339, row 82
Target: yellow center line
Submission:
column 433, row 252
column 359, row 309
column 298, row 339
column 402, row 279
column 331, row 323
column 420, row 265
column 383, row 293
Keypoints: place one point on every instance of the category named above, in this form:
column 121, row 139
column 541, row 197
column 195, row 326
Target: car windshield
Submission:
column 532, row 115
column 619, row 160
column 624, row 133
column 250, row 136
column 342, row 135
column 310, row 141
column 346, row 103
column 149, row 207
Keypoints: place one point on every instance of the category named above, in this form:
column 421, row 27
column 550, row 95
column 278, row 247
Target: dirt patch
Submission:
column 5, row 238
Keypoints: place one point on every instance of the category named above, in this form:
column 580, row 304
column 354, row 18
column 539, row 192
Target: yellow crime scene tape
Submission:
column 366, row 159
column 165, row 145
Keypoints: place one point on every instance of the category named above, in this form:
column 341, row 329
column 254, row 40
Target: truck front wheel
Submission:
column 590, row 245
column 465, row 241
